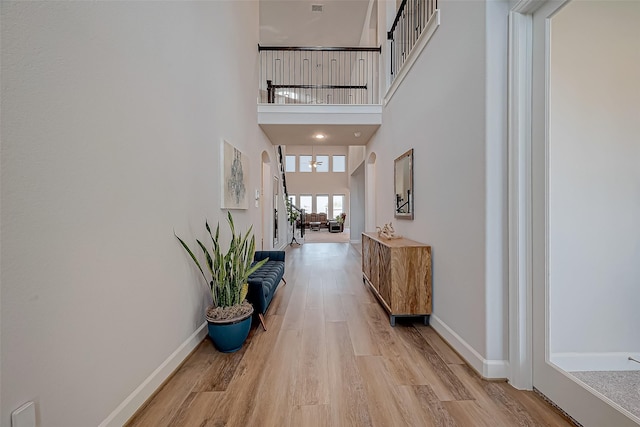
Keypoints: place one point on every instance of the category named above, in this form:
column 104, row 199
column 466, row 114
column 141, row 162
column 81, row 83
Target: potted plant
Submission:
column 340, row 220
column 229, row 316
column 292, row 214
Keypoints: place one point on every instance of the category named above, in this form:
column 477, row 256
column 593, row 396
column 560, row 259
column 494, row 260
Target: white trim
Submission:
column 527, row 6
column 422, row 42
column 489, row 369
column 291, row 114
column 519, row 143
column 139, row 396
column 572, row 362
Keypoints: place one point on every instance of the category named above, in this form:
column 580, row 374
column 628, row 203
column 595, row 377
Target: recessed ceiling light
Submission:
column 319, row 136
column 357, row 134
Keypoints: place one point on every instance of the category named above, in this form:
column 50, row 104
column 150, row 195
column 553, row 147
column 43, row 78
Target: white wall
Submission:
column 445, row 112
column 357, row 203
column 113, row 114
column 594, row 202
column 356, row 157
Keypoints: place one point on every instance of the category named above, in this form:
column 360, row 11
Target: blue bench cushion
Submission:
column 270, row 274
column 264, row 281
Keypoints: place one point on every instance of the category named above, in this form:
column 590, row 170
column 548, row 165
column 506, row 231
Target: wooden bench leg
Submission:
column 261, row 317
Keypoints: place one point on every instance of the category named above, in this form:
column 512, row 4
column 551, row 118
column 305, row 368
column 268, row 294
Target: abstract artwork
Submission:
column 235, row 168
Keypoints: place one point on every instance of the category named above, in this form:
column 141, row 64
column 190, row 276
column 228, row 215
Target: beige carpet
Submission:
column 323, row 236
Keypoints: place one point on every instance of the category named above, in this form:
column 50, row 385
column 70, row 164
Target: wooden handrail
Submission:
column 320, row 48
column 395, row 21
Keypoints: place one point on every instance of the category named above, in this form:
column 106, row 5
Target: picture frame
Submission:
column 235, row 177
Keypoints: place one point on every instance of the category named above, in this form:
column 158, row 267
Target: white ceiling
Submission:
column 335, row 134
column 340, row 24
column 292, row 23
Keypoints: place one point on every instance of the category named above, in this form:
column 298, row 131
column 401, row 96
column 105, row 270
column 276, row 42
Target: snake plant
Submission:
column 228, row 270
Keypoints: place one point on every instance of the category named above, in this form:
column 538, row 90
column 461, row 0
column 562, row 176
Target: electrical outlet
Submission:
column 24, row 416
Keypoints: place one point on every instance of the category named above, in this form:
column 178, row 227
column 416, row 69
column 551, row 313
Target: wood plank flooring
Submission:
column 330, row 358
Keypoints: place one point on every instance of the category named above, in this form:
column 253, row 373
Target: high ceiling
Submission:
column 293, row 23
column 340, row 24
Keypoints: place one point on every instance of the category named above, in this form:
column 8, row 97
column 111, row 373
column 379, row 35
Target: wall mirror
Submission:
column 403, row 185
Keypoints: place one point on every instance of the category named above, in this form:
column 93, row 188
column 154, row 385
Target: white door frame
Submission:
column 527, row 231
column 519, row 188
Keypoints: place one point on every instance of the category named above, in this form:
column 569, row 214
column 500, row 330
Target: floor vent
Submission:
column 316, row 8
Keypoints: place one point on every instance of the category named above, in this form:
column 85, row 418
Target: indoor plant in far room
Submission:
column 229, row 316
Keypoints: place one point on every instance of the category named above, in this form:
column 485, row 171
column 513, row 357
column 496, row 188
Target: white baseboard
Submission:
column 489, row 369
column 575, row 362
column 135, row 400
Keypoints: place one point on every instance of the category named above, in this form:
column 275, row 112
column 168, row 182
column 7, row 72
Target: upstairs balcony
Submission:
column 319, row 75
column 304, row 88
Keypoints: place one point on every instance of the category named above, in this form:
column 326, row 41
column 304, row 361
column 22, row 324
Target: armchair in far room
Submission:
column 337, row 225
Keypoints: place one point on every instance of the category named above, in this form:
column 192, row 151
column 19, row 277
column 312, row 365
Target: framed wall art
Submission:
column 235, row 179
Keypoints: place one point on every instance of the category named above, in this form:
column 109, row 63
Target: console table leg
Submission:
column 392, row 320
column 426, row 320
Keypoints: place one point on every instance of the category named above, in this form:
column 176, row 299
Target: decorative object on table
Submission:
column 387, row 232
column 403, row 186
column 234, row 169
column 229, row 316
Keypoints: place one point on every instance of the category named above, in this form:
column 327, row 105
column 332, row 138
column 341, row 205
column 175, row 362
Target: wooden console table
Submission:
column 398, row 271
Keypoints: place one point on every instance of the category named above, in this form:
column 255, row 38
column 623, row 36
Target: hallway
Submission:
column 330, row 358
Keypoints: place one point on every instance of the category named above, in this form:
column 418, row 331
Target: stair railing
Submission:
column 319, row 75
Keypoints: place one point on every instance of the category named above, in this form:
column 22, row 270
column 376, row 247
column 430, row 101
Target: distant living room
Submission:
column 318, row 185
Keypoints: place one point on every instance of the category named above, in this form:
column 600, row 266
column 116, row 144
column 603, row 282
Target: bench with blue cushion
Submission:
column 264, row 281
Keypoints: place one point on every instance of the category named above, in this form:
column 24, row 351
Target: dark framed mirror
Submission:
column 403, row 185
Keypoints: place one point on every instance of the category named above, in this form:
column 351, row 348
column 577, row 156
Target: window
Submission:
column 305, row 202
column 339, row 164
column 305, row 164
column 338, row 204
column 292, row 199
column 322, row 203
column 322, row 163
column 290, row 163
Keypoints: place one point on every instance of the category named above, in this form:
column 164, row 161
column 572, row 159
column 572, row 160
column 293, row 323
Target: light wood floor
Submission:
column 330, row 358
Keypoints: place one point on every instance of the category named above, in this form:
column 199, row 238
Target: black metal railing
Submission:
column 319, row 75
column 411, row 20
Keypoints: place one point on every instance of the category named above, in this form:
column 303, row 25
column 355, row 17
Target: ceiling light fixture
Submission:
column 357, row 134
column 313, row 164
column 319, row 136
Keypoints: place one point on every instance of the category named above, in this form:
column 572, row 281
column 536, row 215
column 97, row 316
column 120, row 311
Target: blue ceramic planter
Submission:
column 229, row 337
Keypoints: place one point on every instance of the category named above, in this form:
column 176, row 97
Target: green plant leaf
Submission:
column 229, row 270
column 184, row 245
